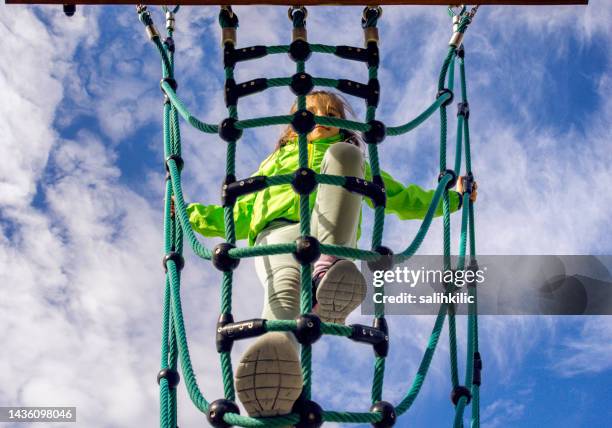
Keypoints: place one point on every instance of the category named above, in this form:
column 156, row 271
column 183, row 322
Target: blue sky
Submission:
column 81, row 196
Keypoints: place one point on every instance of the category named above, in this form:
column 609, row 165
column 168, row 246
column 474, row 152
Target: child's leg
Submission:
column 336, row 212
column 269, row 377
column 341, row 286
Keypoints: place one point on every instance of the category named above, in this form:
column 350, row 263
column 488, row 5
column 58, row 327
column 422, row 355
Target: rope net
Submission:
column 226, row 256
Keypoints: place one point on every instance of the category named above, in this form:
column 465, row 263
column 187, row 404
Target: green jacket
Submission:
column 253, row 212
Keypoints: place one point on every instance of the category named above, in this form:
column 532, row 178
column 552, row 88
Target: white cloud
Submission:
column 84, row 314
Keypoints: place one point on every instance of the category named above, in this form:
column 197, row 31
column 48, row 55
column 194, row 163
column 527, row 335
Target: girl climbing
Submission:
column 269, row 378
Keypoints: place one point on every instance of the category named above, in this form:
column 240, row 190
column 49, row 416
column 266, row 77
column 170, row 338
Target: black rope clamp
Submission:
column 69, row 9
column 231, row 55
column 460, row 391
column 301, row 83
column 227, row 17
column 170, row 81
column 377, row 335
column 228, row 331
column 468, row 183
column 463, row 109
column 453, row 180
column 311, row 414
column 304, row 181
column 308, row 329
column 303, row 121
column 178, row 260
column 221, row 258
column 299, row 50
column 169, row 42
column 228, row 131
column 178, row 160
column 368, row 55
column 376, row 134
column 445, row 91
column 223, row 343
column 352, row 53
column 171, row 375
column 371, row 13
column 307, row 249
column 370, row 92
column 232, row 190
column 366, row 188
column 218, row 409
column 388, row 414
column 234, row 91
column 385, row 262
column 373, row 56
column 460, row 52
column 477, row 373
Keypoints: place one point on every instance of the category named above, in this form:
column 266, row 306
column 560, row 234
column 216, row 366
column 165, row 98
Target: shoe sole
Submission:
column 269, row 376
column 340, row 292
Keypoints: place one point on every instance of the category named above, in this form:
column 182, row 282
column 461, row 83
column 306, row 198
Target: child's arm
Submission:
column 409, row 202
column 208, row 219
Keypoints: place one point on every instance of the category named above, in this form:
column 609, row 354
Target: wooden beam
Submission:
column 306, row 2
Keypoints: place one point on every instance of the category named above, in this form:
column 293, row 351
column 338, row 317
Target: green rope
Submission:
column 176, row 226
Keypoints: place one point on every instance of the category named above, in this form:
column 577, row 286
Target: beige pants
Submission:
column 334, row 221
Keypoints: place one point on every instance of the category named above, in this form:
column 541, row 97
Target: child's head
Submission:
column 321, row 103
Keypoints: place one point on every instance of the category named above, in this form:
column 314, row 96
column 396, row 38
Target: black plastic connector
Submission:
column 227, row 18
column 352, row 53
column 448, row 101
column 170, row 81
column 388, row 414
column 223, row 343
column 304, row 181
column 468, row 183
column 308, row 329
column 299, row 50
column 376, row 134
column 377, row 335
column 370, row 92
column 178, row 260
column 373, row 55
column 381, row 349
column 303, row 121
column 231, row 55
column 453, row 180
column 477, row 374
column 228, row 332
column 366, row 188
column 69, row 9
column 308, row 250
column 171, row 375
column 218, row 409
column 383, row 263
column 301, row 83
column 177, row 160
column 463, row 109
column 169, row 42
column 231, row 191
column 458, row 392
column 460, row 52
column 221, row 258
column 311, row 414
column 234, row 91
column 228, row 131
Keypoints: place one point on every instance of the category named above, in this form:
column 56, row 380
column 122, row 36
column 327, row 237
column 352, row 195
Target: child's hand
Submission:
column 474, row 194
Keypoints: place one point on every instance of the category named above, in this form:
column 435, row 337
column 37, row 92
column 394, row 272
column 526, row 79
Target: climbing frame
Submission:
column 226, row 256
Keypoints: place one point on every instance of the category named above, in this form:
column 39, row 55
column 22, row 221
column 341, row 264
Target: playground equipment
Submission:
column 226, row 256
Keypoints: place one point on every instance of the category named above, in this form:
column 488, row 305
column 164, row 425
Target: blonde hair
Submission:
column 332, row 101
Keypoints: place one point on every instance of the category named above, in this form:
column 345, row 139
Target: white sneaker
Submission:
column 339, row 291
column 269, row 376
